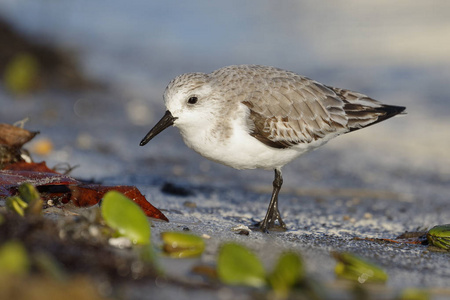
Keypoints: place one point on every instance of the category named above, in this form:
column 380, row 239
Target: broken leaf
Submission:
column 237, row 265
column 14, row 136
column 125, row 216
column 182, row 245
column 414, row 238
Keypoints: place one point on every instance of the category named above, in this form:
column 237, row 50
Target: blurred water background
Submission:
column 396, row 52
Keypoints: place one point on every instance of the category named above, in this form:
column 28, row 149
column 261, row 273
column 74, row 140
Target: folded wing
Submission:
column 293, row 109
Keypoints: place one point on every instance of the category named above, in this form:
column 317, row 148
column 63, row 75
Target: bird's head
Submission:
column 188, row 100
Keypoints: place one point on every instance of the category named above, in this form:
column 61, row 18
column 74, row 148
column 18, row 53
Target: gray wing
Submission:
column 292, row 110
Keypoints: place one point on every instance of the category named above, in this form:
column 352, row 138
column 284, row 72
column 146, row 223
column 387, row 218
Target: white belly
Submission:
column 242, row 151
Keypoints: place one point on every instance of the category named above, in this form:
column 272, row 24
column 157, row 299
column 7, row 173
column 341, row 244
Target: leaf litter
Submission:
column 78, row 240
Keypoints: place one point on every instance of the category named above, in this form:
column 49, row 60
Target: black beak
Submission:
column 166, row 121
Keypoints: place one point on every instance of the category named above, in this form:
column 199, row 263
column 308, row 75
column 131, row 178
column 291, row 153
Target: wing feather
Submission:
column 286, row 109
column 290, row 112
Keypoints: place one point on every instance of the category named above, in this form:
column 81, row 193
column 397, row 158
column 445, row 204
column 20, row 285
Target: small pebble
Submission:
column 94, row 231
column 190, row 204
column 120, row 242
column 241, row 229
column 85, row 141
column 368, row 216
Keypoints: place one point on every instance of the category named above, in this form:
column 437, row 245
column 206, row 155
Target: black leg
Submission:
column 273, row 213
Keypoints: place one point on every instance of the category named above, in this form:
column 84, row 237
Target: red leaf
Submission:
column 35, row 167
column 90, row 194
column 37, row 174
column 81, row 194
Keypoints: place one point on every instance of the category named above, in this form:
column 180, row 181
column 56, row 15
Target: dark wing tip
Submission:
column 390, row 111
column 393, row 110
column 384, row 112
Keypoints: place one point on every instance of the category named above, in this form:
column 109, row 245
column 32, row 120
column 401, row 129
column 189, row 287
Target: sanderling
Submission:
column 251, row 116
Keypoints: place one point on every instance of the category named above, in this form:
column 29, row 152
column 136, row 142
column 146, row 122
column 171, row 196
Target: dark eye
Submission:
column 193, row 100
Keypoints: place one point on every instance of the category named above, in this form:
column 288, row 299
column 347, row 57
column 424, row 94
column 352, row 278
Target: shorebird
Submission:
column 251, row 116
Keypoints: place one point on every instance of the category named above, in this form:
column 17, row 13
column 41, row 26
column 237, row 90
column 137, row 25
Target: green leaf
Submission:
column 414, row 294
column 237, row 265
column 14, row 259
column 28, row 203
column 21, row 74
column 125, row 216
column 355, row 268
column 288, row 271
column 28, row 192
column 17, row 205
column 439, row 236
column 182, row 245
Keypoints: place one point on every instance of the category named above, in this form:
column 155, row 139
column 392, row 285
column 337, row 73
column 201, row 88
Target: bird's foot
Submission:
column 269, row 223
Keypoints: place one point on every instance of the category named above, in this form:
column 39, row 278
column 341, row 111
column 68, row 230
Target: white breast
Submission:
column 238, row 149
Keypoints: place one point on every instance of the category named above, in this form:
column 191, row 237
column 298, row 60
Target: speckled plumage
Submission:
column 251, row 116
